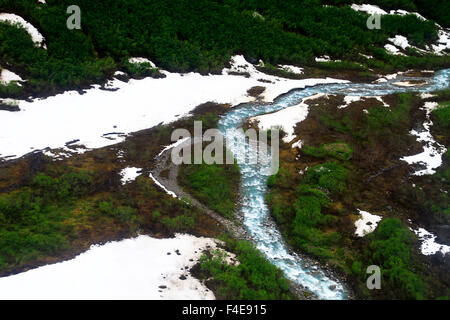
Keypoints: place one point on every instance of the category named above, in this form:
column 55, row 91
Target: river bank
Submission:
column 331, row 139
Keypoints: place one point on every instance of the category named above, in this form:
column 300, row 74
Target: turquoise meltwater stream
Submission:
column 257, row 219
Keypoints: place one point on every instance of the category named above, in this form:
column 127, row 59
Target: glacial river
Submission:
column 257, row 219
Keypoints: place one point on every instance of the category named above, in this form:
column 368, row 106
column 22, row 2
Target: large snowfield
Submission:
column 139, row 268
column 99, row 117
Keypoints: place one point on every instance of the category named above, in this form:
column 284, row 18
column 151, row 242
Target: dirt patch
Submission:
column 256, row 91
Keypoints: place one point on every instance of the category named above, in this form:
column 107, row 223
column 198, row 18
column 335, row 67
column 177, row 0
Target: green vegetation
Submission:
column 65, row 186
column 430, row 199
column 381, row 128
column 45, row 214
column 441, row 118
column 69, row 61
column 141, row 70
column 11, row 90
column 340, row 151
column 32, row 220
column 276, row 71
column 181, row 35
column 342, row 65
column 391, row 247
column 166, row 213
column 330, row 176
column 63, row 205
column 124, row 214
column 316, row 209
column 214, row 185
column 254, row 278
column 183, row 223
column 301, row 214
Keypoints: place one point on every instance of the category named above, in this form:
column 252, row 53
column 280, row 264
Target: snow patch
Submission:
column 138, row 268
column 366, row 56
column 298, row 144
column 9, row 101
column 286, row 119
column 373, row 9
column 349, row 99
column 99, row 118
column 323, row 59
column 443, row 42
column 173, row 145
column 366, row 224
column 141, row 60
column 292, row 69
column 393, row 75
column 171, row 193
column 393, row 50
column 400, row 41
column 368, row 8
column 129, row 174
column 429, row 245
column 65, row 152
column 326, row 59
column 431, row 157
column 405, row 13
column 6, row 77
column 426, row 95
column 381, row 80
column 303, row 171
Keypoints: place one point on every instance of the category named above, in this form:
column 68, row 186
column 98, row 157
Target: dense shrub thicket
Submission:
column 181, row 35
column 254, row 278
column 391, row 248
